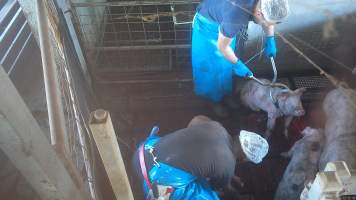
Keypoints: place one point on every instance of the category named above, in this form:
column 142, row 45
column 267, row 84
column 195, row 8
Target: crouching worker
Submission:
column 191, row 162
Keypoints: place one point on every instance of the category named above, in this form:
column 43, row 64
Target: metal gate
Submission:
column 137, row 35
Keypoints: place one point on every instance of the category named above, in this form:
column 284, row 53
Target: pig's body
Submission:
column 340, row 129
column 276, row 102
column 303, row 166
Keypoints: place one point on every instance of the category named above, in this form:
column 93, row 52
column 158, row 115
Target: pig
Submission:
column 277, row 102
column 340, row 129
column 303, row 166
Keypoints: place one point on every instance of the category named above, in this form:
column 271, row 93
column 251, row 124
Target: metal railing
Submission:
column 158, row 31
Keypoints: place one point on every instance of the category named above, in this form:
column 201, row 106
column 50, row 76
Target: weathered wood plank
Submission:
column 106, row 142
column 27, row 147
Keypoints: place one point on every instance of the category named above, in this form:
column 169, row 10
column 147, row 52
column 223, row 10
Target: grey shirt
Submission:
column 204, row 150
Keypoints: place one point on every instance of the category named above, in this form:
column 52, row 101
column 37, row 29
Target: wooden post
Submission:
column 24, row 143
column 106, row 142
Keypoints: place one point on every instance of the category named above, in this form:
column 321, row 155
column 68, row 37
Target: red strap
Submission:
column 143, row 166
column 169, row 190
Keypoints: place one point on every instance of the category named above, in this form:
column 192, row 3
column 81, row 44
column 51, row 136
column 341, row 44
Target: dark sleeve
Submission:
column 223, row 170
column 203, row 150
column 233, row 18
column 135, row 166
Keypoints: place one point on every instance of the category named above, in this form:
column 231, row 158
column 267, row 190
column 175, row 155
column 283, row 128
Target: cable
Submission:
column 320, row 52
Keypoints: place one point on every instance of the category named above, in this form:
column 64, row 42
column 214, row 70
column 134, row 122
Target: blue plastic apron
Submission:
column 212, row 72
column 186, row 186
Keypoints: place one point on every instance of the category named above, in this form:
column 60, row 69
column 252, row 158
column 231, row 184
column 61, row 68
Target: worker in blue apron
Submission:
column 190, row 163
column 219, row 27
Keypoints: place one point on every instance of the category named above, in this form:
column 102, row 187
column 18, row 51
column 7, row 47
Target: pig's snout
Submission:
column 299, row 112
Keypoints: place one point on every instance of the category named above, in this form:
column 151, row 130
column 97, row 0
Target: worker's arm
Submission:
column 268, row 29
column 224, row 47
column 270, row 45
column 239, row 67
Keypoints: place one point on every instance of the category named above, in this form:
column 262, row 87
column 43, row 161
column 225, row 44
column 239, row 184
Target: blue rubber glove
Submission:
column 270, row 47
column 241, row 69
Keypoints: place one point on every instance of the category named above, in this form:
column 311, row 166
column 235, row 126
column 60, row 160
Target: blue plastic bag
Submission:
column 212, row 72
column 186, row 186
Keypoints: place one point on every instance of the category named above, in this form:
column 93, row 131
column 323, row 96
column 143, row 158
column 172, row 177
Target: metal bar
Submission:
column 159, row 24
column 92, row 24
column 128, row 24
column 12, row 28
column 168, row 31
column 174, row 25
column 136, row 14
column 68, row 16
column 143, row 25
column 14, row 43
column 54, row 103
column 135, row 3
column 81, row 136
column 143, row 47
column 20, row 53
column 6, row 14
column 170, row 60
column 113, row 26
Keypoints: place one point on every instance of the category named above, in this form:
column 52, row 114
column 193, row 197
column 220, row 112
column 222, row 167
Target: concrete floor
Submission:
column 136, row 108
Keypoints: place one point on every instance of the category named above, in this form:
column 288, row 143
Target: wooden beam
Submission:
column 23, row 141
column 106, row 142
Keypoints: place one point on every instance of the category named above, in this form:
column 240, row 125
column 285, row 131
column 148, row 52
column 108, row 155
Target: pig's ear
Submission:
column 300, row 91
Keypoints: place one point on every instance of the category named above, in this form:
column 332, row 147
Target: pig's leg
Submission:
column 233, row 188
column 287, row 121
column 289, row 153
column 254, row 108
column 270, row 125
column 238, row 181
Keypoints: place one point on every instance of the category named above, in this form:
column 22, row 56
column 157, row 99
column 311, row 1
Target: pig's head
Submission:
column 314, row 135
column 290, row 102
column 308, row 131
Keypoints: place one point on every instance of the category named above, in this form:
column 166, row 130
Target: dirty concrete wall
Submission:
column 93, row 22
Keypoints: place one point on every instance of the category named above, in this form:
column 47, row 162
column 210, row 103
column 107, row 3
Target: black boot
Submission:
column 231, row 102
column 220, row 110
